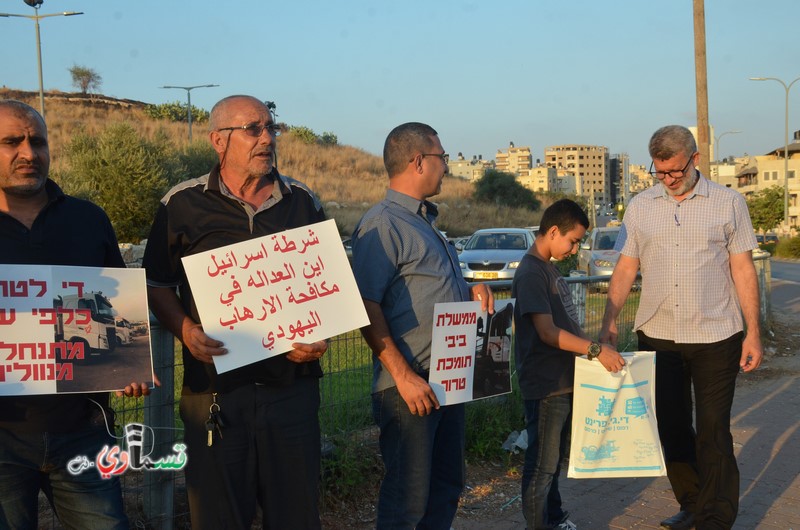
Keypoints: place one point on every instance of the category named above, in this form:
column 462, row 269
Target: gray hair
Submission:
column 219, row 113
column 670, row 141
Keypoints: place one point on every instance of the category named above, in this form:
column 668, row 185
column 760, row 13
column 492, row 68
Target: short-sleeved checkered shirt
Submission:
column 684, row 250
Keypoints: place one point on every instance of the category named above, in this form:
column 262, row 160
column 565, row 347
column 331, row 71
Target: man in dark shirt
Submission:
column 39, row 434
column 269, row 448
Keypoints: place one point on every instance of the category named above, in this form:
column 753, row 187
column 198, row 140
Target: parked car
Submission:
column 459, row 242
column 494, row 253
column 766, row 239
column 597, row 255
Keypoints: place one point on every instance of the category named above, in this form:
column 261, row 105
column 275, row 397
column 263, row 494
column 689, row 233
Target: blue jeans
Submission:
column 548, row 422
column 33, row 461
column 424, row 460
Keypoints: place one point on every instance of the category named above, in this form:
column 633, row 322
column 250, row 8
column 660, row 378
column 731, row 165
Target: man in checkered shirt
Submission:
column 699, row 311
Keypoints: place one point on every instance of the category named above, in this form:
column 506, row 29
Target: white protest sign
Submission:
column 470, row 351
column 258, row 297
column 58, row 329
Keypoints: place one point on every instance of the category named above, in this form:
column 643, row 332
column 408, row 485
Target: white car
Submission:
column 597, row 255
column 494, row 253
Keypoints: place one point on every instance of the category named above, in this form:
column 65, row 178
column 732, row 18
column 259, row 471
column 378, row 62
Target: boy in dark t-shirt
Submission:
column 548, row 339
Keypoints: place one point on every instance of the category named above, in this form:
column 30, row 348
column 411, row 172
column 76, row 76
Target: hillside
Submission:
column 348, row 180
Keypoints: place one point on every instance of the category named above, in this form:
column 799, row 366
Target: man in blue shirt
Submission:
column 404, row 266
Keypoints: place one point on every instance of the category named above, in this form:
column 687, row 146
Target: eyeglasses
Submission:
column 444, row 156
column 254, row 130
column 661, row 175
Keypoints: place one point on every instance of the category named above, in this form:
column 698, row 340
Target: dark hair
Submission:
column 564, row 214
column 404, row 143
column 23, row 110
column 670, row 141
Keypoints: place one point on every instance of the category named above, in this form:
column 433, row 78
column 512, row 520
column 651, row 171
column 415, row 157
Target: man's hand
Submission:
column 609, row 334
column 417, row 394
column 137, row 389
column 202, row 347
column 752, row 353
column 304, row 353
column 483, row 293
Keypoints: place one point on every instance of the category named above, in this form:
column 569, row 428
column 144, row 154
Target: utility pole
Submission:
column 701, row 84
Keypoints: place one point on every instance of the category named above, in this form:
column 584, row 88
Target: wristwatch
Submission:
column 594, row 350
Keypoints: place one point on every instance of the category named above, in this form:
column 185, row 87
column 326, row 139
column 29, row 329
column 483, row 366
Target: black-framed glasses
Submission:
column 661, row 175
column 254, row 130
column 444, row 156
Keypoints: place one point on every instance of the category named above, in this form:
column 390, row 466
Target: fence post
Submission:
column 764, row 274
column 159, row 413
column 578, row 291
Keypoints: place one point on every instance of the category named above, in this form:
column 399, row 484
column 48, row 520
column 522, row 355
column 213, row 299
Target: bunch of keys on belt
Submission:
column 214, row 421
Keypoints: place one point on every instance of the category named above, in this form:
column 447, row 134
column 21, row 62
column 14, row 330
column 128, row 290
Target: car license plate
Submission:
column 485, row 275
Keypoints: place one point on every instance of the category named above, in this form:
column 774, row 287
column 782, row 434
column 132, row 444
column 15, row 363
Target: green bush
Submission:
column 176, row 111
column 123, row 173
column 787, row 248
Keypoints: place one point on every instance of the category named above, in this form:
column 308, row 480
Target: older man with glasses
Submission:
column 699, row 311
column 252, row 433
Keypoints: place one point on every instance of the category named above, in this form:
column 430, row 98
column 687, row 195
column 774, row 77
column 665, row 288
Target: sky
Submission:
column 482, row 73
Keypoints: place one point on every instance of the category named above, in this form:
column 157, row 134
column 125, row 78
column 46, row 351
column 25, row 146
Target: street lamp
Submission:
column 786, row 146
column 35, row 4
column 188, row 90
column 718, row 138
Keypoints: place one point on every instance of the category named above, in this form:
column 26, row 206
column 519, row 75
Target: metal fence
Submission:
column 157, row 499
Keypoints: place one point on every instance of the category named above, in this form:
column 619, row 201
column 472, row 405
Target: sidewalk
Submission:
column 766, row 434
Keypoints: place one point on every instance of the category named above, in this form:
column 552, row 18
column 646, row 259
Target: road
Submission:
column 112, row 371
column 785, row 270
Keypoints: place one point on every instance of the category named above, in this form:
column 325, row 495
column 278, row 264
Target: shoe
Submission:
column 682, row 520
column 567, row 525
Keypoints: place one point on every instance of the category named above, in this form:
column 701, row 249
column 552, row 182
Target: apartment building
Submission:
column 589, row 163
column 514, row 160
column 468, row 169
column 539, row 179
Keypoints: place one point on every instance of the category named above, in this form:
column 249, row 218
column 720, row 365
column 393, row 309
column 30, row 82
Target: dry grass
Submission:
column 348, row 180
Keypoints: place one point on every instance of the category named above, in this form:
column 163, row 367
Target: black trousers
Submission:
column 269, row 454
column 701, row 466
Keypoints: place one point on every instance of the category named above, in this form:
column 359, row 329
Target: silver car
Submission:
column 494, row 253
column 597, row 255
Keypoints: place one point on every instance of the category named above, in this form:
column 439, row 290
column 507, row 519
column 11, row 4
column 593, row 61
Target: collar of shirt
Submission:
column 215, row 183
column 426, row 209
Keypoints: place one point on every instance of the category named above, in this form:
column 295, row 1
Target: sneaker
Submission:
column 567, row 525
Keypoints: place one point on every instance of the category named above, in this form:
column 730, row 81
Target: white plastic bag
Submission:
column 614, row 429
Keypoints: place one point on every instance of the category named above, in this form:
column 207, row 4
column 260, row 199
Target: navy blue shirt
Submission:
column 543, row 370
column 68, row 231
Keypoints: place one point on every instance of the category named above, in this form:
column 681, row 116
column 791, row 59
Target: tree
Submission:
column 123, row 173
column 766, row 208
column 502, row 189
column 85, row 79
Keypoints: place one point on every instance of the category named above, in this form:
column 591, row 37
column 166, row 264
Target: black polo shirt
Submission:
column 68, row 231
column 200, row 215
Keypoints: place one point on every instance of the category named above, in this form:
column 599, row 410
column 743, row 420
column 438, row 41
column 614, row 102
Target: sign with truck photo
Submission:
column 72, row 329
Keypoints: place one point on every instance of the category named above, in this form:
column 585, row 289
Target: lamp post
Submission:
column 188, row 90
column 786, row 146
column 718, row 138
column 35, row 4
